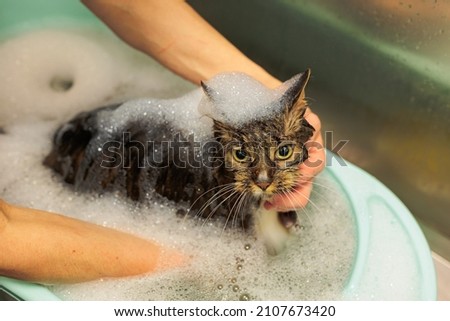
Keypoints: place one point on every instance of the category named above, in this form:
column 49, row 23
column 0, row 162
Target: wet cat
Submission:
column 218, row 151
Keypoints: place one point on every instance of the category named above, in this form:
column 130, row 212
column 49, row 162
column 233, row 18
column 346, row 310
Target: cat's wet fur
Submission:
column 229, row 176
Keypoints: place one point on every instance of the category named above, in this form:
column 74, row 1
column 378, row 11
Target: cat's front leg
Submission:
column 273, row 228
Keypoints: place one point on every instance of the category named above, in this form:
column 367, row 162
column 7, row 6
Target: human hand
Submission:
column 46, row 247
column 308, row 169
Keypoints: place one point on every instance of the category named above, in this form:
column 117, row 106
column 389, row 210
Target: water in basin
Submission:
column 53, row 75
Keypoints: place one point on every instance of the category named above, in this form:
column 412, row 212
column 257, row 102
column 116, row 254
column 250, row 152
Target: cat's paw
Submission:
column 273, row 229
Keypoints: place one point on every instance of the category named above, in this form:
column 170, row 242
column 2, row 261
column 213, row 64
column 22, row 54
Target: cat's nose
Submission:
column 262, row 180
column 263, row 185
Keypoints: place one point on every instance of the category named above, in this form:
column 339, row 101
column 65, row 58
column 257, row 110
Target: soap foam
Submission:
column 226, row 265
column 236, row 98
column 55, row 73
column 181, row 113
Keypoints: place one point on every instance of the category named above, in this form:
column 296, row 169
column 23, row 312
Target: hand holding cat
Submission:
column 309, row 169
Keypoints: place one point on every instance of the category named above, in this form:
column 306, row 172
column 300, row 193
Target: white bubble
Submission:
column 236, row 98
column 57, row 73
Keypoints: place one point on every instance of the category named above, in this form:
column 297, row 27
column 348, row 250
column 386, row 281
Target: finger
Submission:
column 316, row 150
column 313, row 119
column 315, row 122
column 297, row 199
column 315, row 162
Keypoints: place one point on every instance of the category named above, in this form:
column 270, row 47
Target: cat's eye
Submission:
column 284, row 152
column 240, row 155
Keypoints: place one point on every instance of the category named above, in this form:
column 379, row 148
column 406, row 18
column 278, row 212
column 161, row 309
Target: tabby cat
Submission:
column 227, row 173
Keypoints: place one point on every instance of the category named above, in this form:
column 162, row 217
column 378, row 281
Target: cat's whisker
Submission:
column 227, row 220
column 239, row 202
column 208, row 191
column 209, row 202
column 243, row 205
column 234, row 206
column 326, row 188
column 317, row 182
column 305, row 210
column 310, row 201
column 319, row 195
column 289, row 197
column 217, row 207
column 213, row 199
column 229, row 214
column 222, row 191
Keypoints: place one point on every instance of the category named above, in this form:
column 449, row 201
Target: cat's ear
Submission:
column 209, row 92
column 293, row 99
column 295, row 89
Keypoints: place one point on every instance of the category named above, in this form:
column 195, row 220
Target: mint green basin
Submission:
column 392, row 260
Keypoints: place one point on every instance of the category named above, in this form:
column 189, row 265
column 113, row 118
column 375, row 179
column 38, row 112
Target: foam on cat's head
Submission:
column 236, row 98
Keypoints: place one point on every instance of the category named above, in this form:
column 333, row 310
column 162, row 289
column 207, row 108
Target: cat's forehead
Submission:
column 236, row 98
column 266, row 132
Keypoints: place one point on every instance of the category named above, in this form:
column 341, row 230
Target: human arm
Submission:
column 177, row 36
column 49, row 248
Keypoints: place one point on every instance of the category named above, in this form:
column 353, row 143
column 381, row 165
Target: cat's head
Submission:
column 262, row 139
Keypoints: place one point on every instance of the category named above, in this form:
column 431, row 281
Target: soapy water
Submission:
column 226, row 264
column 54, row 74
